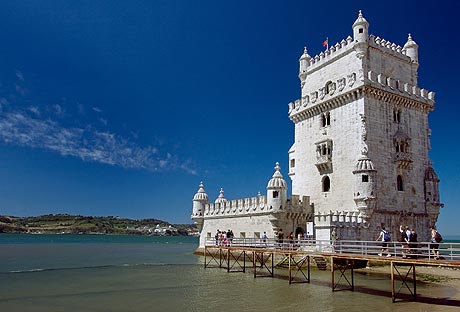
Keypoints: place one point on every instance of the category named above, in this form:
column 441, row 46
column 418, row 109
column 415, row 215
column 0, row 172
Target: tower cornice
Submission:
column 388, row 96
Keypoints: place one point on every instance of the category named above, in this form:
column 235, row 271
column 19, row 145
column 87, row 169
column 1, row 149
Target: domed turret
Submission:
column 277, row 190
column 411, row 49
column 360, row 29
column 365, row 177
column 432, row 201
column 199, row 201
column 304, row 61
column 221, row 198
column 431, row 186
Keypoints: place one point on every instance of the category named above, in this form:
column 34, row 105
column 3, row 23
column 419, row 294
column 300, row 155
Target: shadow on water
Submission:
column 374, row 291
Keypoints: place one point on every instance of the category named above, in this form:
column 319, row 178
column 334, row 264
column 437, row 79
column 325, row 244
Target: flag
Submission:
column 326, row 43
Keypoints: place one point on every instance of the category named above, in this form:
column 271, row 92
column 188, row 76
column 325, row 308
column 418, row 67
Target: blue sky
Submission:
column 122, row 107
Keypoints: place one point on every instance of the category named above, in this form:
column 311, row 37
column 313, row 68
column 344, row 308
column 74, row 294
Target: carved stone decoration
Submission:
column 363, row 127
column 361, row 74
column 322, row 92
column 314, row 96
column 305, row 100
column 341, row 84
column 291, row 107
column 351, row 79
column 331, row 88
column 297, row 104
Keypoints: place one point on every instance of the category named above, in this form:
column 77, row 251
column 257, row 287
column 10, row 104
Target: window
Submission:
column 324, row 150
column 256, row 234
column 361, row 30
column 397, row 115
column 325, row 119
column 365, row 178
column 275, row 194
column 326, row 184
column 292, row 163
column 402, row 145
column 242, row 234
column 399, row 183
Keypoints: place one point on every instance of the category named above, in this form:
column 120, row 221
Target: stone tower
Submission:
column 361, row 138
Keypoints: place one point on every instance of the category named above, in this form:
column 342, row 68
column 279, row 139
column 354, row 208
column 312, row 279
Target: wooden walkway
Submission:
column 298, row 258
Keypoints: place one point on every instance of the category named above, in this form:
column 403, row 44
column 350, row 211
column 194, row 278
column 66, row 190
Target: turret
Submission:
column 411, row 49
column 221, row 198
column 200, row 200
column 277, row 190
column 365, row 179
column 432, row 200
column 360, row 29
column 304, row 62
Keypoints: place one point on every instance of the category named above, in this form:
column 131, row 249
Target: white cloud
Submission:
column 97, row 109
column 87, row 143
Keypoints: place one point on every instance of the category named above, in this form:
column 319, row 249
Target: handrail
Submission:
column 426, row 250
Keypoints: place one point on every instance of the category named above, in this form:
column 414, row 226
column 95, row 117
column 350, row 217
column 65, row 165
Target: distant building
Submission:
column 360, row 155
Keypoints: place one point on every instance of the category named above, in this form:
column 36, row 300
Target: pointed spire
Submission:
column 360, row 20
column 410, row 42
column 277, row 173
column 201, row 194
column 277, row 180
column 221, row 197
column 305, row 54
column 411, row 49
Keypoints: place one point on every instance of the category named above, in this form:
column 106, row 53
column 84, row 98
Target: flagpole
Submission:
column 327, row 43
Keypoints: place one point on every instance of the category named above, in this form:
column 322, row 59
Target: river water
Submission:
column 139, row 273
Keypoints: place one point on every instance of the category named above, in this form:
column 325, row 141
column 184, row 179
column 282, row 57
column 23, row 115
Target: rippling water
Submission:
column 134, row 273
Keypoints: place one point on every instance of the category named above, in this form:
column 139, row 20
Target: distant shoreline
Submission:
column 76, row 224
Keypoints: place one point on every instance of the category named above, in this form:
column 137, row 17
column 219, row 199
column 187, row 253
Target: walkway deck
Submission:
column 344, row 257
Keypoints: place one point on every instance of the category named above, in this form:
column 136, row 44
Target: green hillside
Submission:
column 64, row 223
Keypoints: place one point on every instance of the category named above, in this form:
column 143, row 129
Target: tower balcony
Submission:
column 403, row 159
column 324, row 164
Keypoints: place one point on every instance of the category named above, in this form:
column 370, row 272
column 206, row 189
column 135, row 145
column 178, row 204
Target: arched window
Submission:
column 399, row 183
column 397, row 115
column 326, row 184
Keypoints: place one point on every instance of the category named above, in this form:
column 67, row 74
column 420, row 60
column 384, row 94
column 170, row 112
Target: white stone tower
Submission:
column 361, row 138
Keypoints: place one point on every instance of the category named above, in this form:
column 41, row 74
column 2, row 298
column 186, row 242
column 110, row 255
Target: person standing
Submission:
column 436, row 238
column 385, row 238
column 264, row 238
column 334, row 238
column 280, row 237
column 413, row 242
column 404, row 241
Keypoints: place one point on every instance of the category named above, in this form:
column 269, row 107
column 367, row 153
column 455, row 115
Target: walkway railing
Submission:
column 425, row 250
